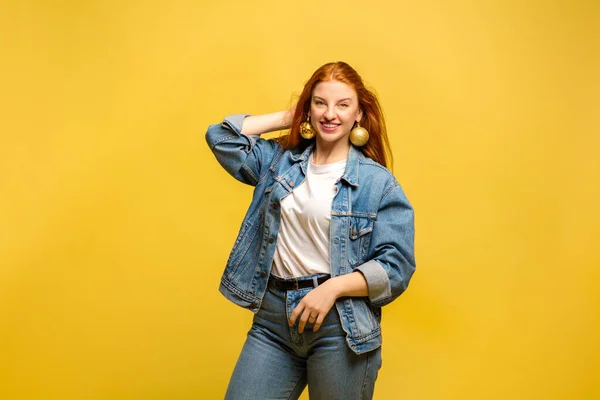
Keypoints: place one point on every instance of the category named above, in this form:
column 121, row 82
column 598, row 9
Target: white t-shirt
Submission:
column 303, row 239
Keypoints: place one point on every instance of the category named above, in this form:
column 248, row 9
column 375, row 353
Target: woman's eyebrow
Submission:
column 346, row 99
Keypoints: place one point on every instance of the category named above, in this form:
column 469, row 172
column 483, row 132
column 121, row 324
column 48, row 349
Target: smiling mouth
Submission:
column 329, row 127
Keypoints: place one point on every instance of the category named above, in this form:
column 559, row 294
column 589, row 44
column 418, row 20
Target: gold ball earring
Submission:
column 359, row 136
column 306, row 129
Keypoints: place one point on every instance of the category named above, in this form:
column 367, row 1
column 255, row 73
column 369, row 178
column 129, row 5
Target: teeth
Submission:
column 329, row 125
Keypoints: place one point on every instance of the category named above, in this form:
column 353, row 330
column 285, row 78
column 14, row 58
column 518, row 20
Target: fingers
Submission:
column 313, row 317
column 297, row 311
column 313, row 308
column 318, row 322
column 301, row 324
column 305, row 315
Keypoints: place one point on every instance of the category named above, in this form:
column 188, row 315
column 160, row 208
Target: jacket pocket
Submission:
column 360, row 229
column 247, row 238
column 239, row 244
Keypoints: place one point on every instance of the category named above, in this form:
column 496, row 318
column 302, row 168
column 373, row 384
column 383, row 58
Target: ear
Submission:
column 359, row 115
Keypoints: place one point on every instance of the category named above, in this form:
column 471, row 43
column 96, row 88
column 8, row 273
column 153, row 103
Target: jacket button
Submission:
column 254, row 305
column 271, row 240
column 263, row 274
column 292, row 184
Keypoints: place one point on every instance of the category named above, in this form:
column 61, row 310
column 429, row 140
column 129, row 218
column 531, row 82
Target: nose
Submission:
column 330, row 113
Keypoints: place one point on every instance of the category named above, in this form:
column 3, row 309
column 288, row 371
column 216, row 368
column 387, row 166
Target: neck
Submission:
column 328, row 153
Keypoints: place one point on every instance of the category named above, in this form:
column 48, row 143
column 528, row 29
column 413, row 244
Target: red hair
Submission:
column 378, row 147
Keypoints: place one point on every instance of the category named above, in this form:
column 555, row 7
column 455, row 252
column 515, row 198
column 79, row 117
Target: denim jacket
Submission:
column 371, row 227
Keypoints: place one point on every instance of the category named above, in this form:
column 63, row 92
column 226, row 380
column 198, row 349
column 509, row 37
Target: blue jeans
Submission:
column 277, row 362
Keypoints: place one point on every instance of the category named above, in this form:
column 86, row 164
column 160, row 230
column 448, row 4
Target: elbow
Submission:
column 386, row 283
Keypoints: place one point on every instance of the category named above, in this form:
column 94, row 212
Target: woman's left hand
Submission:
column 314, row 307
column 316, row 304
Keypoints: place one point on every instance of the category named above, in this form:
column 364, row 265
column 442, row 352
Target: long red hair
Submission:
column 378, row 147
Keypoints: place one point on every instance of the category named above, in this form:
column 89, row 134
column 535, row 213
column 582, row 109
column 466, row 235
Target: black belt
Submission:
column 295, row 284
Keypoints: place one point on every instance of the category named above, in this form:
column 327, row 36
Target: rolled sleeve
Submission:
column 377, row 281
column 245, row 157
column 236, row 121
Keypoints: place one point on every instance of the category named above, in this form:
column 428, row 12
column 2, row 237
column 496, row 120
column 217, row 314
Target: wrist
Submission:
column 255, row 125
column 335, row 286
column 349, row 285
column 284, row 120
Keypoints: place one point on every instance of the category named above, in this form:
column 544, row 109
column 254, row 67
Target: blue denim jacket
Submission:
column 371, row 227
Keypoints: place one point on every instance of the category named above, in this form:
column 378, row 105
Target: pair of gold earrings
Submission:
column 359, row 136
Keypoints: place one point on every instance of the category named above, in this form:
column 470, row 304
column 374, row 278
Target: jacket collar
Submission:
column 303, row 155
column 350, row 173
column 355, row 156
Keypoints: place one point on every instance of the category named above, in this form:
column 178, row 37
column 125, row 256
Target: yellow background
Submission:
column 116, row 221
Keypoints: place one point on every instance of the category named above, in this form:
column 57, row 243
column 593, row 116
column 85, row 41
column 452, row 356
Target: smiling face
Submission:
column 334, row 109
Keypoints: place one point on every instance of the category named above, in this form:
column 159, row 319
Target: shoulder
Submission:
column 372, row 173
column 381, row 183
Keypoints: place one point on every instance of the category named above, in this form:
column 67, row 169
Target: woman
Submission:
column 326, row 242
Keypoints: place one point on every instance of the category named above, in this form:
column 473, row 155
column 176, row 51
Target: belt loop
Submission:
column 296, row 284
column 315, row 281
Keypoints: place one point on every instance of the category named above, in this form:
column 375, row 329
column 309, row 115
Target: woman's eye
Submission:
column 344, row 105
column 319, row 102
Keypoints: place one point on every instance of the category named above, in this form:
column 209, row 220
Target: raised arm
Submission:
column 258, row 124
column 237, row 146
